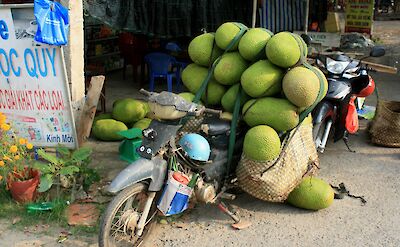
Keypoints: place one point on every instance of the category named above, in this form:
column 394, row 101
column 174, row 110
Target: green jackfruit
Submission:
column 325, row 89
column 225, row 34
column 262, row 79
column 193, row 76
column 102, row 116
column 189, row 97
column 130, row 110
column 230, row 68
column 214, row 93
column 142, row 123
column 308, row 120
column 202, row 50
column 301, row 86
column 280, row 114
column 229, row 98
column 262, row 143
column 312, row 193
column 106, row 130
column 252, row 44
column 116, row 102
column 283, row 50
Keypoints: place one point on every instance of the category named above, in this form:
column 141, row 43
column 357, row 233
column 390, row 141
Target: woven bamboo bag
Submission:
column 385, row 128
column 274, row 180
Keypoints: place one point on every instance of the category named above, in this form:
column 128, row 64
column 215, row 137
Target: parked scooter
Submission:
column 138, row 188
column 348, row 79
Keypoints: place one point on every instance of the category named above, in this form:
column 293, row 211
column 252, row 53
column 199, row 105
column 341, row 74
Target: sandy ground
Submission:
column 371, row 172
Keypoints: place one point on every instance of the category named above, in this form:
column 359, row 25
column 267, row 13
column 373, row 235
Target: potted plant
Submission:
column 15, row 164
column 66, row 168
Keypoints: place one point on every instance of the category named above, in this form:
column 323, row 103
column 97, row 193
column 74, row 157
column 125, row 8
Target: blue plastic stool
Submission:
column 159, row 66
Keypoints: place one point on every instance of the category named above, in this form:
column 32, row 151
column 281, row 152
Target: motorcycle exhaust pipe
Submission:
column 325, row 136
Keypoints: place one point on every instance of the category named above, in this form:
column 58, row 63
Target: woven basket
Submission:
column 193, row 125
column 274, row 180
column 385, row 128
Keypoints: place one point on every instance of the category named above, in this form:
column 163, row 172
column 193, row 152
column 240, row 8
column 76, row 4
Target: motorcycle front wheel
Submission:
column 118, row 225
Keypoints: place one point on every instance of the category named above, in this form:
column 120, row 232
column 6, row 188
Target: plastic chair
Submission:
column 133, row 48
column 172, row 47
column 159, row 67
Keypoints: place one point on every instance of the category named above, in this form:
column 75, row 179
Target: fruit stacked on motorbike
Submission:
column 265, row 83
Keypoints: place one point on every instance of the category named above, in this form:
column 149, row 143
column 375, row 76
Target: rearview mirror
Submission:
column 377, row 51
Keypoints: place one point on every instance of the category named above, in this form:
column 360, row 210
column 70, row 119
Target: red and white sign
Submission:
column 34, row 92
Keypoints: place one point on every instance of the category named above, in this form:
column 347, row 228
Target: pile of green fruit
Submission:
column 269, row 68
column 127, row 113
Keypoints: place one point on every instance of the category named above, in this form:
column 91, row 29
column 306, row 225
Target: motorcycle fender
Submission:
column 140, row 170
column 322, row 111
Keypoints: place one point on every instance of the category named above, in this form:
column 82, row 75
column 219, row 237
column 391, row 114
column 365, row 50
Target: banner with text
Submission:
column 34, row 93
column 359, row 16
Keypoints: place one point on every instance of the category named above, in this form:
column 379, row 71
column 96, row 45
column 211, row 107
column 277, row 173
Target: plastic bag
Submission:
column 352, row 117
column 175, row 197
column 53, row 23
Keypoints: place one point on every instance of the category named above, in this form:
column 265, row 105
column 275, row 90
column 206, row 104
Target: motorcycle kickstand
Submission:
column 346, row 142
column 239, row 224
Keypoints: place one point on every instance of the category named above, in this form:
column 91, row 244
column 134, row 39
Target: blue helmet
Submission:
column 195, row 146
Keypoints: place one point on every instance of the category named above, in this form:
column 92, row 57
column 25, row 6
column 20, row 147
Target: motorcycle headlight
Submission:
column 335, row 67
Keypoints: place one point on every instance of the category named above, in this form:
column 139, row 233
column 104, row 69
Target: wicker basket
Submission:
column 274, row 180
column 385, row 128
column 193, row 125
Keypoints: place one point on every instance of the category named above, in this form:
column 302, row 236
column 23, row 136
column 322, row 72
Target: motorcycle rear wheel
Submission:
column 117, row 228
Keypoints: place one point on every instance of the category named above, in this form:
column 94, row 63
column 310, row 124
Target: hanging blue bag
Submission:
column 52, row 21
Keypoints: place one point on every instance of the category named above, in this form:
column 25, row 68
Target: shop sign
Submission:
column 359, row 16
column 323, row 38
column 34, row 92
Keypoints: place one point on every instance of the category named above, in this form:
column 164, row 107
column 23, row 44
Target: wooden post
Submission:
column 253, row 23
column 307, row 11
column 89, row 108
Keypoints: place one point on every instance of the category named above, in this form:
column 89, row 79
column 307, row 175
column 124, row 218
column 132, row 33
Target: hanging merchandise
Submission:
column 177, row 191
column 52, row 22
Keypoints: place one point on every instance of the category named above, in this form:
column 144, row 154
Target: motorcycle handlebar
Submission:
column 206, row 110
column 212, row 111
column 198, row 113
column 144, row 92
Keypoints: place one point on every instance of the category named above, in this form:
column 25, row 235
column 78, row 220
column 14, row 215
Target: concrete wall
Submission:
column 74, row 54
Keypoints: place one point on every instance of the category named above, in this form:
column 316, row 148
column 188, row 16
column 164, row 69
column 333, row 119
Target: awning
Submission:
column 169, row 18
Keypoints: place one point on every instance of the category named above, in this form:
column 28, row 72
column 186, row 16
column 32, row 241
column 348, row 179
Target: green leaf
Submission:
column 46, row 181
column 65, row 152
column 82, row 154
column 49, row 157
column 69, row 170
column 43, row 168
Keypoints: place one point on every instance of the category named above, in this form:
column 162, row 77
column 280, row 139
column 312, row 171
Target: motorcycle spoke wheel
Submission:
column 118, row 227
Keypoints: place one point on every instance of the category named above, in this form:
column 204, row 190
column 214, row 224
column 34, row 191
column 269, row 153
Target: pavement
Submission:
column 372, row 172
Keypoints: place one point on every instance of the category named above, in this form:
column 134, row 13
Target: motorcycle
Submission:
column 138, row 188
column 348, row 81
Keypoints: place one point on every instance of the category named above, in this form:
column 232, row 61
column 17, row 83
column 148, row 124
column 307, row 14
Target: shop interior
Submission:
column 126, row 59
column 146, row 46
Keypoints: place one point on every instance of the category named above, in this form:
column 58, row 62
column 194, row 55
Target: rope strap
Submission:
column 203, row 87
